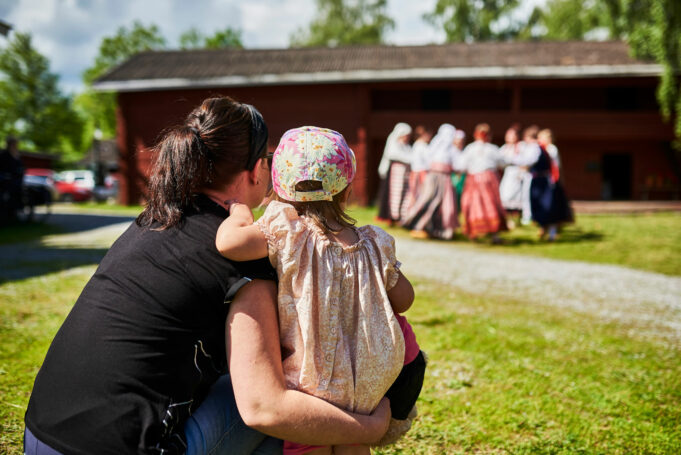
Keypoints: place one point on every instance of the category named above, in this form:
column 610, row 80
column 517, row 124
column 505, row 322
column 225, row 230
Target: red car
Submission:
column 74, row 186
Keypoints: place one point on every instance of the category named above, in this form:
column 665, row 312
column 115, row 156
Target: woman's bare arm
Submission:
column 264, row 402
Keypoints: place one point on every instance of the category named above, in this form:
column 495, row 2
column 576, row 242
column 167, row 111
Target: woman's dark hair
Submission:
column 218, row 139
column 322, row 211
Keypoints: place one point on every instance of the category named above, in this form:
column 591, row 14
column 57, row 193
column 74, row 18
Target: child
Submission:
column 340, row 288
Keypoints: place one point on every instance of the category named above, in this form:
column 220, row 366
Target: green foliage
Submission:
column 98, row 107
column 665, row 46
column 31, row 104
column 125, row 43
column 224, row 38
column 571, row 19
column 651, row 27
column 194, row 39
column 191, row 39
column 480, row 20
column 342, row 22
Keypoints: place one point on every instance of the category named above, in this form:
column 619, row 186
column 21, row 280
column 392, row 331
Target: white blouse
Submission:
column 481, row 156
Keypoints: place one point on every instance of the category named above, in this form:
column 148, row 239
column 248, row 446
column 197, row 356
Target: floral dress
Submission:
column 340, row 339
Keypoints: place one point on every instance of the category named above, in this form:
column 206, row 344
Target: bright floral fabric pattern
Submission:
column 312, row 153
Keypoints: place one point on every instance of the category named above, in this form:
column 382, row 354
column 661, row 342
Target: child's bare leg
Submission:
column 351, row 450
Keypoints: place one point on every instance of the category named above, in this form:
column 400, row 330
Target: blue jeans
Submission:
column 215, row 428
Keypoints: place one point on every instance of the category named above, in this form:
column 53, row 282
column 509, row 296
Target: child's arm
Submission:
column 401, row 295
column 238, row 238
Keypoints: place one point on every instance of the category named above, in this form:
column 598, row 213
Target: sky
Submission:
column 68, row 32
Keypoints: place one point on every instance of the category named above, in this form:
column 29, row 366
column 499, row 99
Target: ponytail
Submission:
column 213, row 144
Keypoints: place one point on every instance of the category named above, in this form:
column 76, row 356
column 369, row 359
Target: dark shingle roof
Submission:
column 195, row 68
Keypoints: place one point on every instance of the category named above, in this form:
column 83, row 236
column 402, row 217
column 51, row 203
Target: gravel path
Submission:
column 648, row 303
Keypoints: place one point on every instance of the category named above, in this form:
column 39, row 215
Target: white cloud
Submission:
column 270, row 23
column 410, row 27
column 69, row 32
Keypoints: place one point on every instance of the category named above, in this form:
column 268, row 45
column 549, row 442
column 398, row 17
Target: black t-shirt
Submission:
column 143, row 343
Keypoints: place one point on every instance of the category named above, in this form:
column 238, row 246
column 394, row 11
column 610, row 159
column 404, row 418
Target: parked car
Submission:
column 41, row 181
column 107, row 192
column 75, row 185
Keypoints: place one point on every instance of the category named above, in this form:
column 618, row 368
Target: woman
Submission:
column 434, row 212
column 419, row 166
column 459, row 178
column 139, row 364
column 394, row 171
column 480, row 202
column 549, row 204
column 511, row 186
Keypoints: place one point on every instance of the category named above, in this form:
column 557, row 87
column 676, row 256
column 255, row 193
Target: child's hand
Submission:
column 241, row 212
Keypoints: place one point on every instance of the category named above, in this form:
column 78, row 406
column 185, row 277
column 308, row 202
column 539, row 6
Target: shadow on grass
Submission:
column 567, row 236
column 26, row 232
column 20, row 264
column 79, row 222
column 23, row 256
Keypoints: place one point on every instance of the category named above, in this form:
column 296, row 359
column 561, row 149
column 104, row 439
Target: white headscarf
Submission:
column 441, row 148
column 395, row 149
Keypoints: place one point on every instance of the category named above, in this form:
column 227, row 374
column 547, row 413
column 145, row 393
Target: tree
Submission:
column 573, row 19
column 340, row 22
column 191, row 39
column 194, row 39
column 651, row 27
column 476, row 20
column 31, row 104
column 224, row 38
column 100, row 107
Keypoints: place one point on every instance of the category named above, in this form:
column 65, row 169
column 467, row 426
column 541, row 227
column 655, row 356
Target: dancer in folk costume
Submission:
column 528, row 147
column 511, row 186
column 550, row 206
column 419, row 165
column 480, row 202
column 459, row 178
column 340, row 286
column 434, row 212
column 394, row 170
column 545, row 139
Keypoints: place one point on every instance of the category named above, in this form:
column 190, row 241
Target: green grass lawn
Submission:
column 26, row 232
column 642, row 241
column 102, row 207
column 503, row 377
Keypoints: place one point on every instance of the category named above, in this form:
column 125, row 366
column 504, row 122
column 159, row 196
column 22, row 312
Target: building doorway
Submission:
column 616, row 171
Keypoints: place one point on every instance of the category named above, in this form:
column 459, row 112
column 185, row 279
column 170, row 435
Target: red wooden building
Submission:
column 599, row 102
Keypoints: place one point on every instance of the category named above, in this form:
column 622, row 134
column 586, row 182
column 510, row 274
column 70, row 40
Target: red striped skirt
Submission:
column 481, row 205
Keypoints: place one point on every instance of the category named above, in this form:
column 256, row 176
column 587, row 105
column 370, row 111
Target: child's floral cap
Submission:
column 312, row 153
